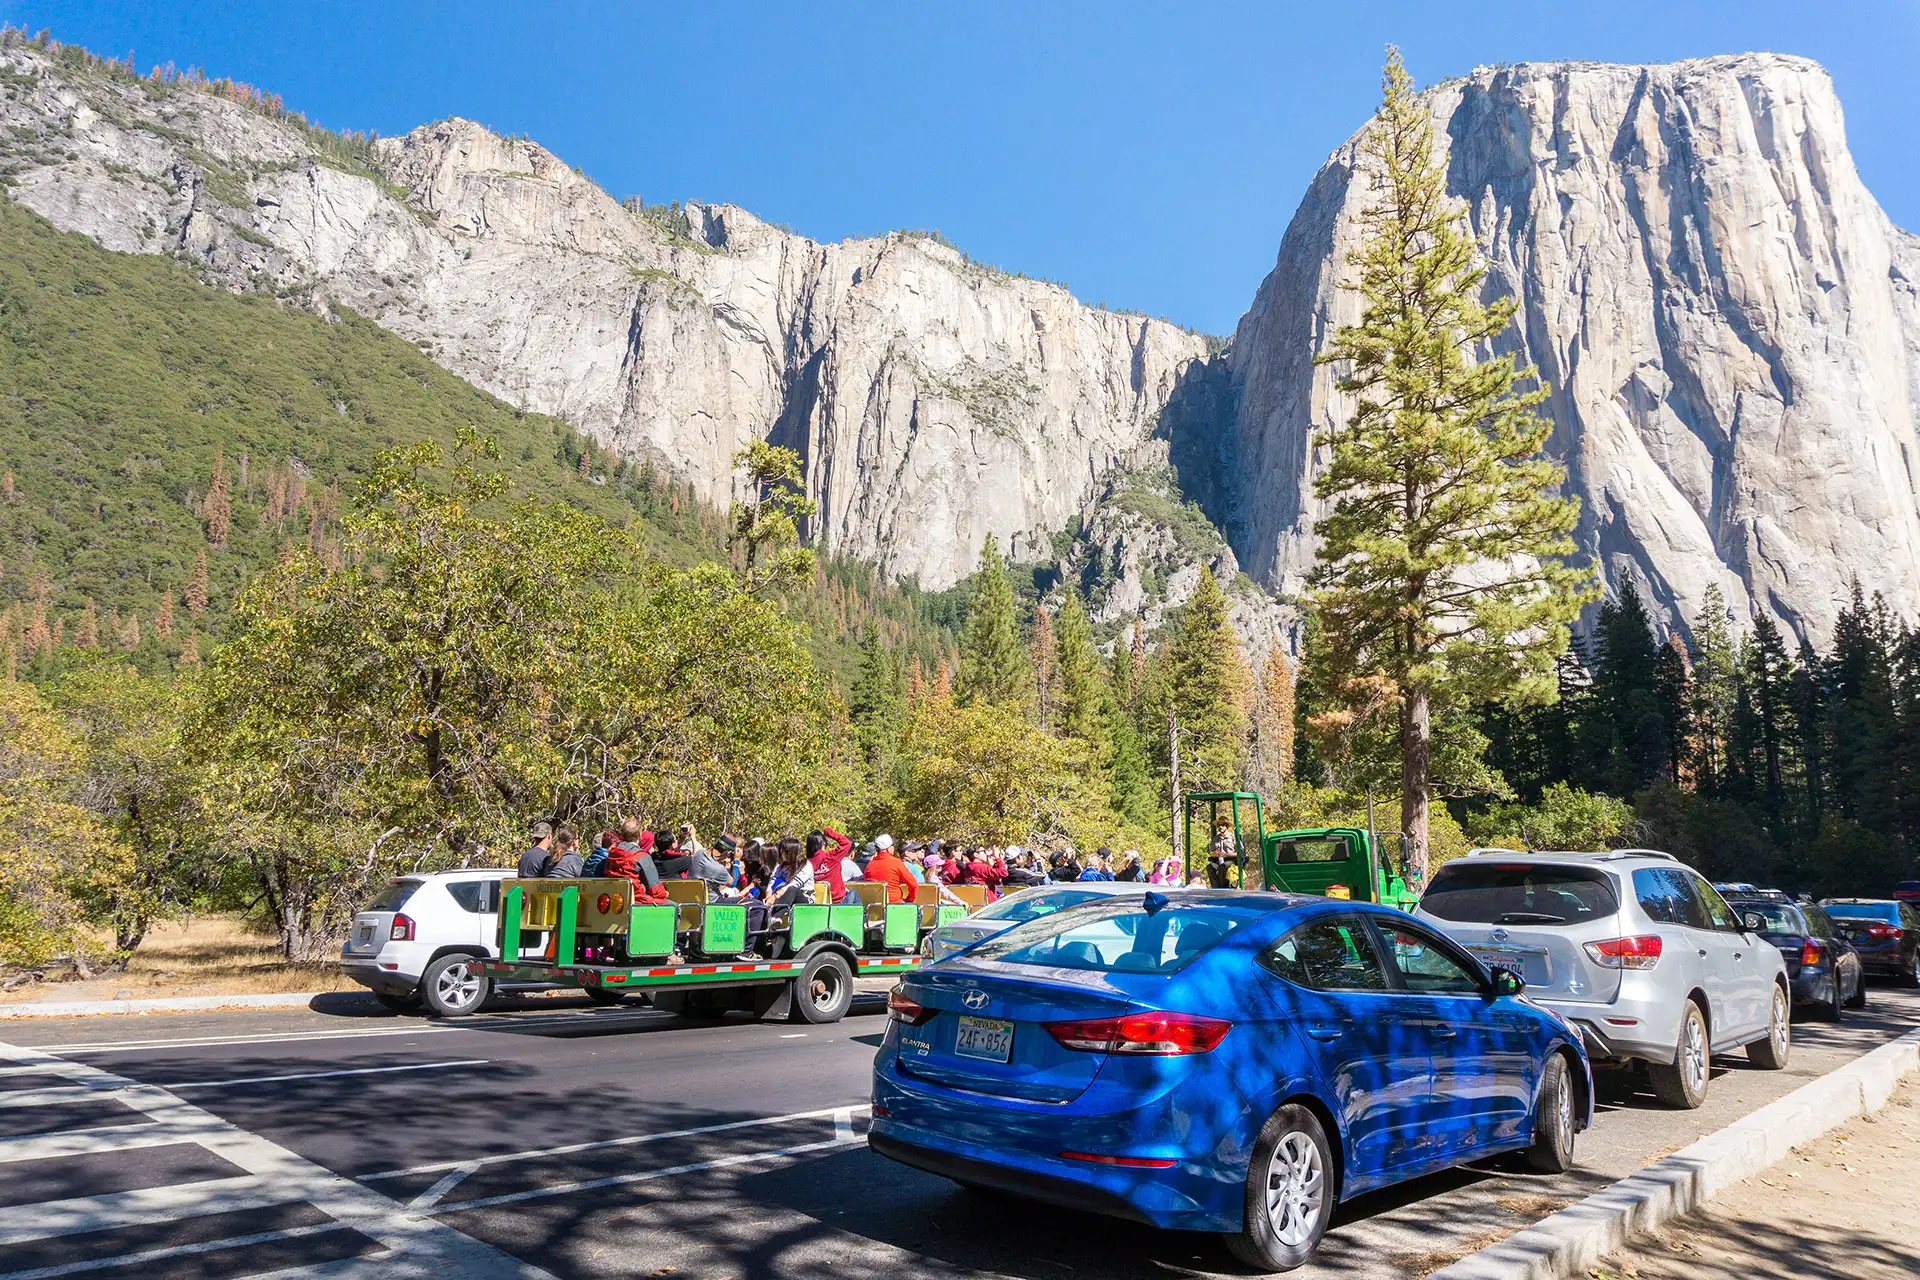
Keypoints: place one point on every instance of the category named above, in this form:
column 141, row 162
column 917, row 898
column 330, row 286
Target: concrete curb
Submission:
column 179, row 1004
column 1569, row 1242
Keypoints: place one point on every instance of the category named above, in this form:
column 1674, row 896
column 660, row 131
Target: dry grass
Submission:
column 212, row 955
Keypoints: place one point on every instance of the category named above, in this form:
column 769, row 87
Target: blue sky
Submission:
column 1147, row 155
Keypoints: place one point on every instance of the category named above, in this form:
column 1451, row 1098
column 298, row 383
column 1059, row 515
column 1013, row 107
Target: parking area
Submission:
column 579, row 1142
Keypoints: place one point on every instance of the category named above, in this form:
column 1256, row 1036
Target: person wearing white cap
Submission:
column 886, row 867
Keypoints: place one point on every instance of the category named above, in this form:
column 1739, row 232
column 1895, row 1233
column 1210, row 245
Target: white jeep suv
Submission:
column 418, row 941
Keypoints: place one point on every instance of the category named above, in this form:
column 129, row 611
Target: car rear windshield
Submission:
column 1518, row 893
column 1775, row 920
column 1119, row 935
column 1887, row 911
column 1036, row 903
column 393, row 897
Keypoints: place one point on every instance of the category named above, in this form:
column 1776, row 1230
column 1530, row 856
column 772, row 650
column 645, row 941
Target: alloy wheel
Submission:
column 1693, row 1055
column 1777, row 1029
column 1296, row 1185
column 1563, row 1116
column 458, row 985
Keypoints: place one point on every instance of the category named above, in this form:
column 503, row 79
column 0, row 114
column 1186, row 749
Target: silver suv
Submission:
column 1631, row 947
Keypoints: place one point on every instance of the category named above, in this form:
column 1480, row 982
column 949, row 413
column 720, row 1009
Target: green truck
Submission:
column 1230, row 841
column 702, row 958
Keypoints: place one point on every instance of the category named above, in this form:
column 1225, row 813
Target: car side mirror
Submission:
column 1752, row 921
column 1508, row 983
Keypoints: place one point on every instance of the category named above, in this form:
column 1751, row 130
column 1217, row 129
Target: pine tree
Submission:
column 1207, row 688
column 1673, row 689
column 993, row 663
column 1624, row 688
column 190, row 650
column 197, row 586
column 87, row 636
column 1273, row 725
column 163, row 617
column 875, row 704
column 216, row 507
column 1715, row 681
column 1138, row 654
column 1439, row 563
column 1078, row 713
column 943, row 681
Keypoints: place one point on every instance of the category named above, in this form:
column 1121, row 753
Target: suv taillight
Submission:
column 1809, row 953
column 901, row 1009
column 1163, row 1035
column 402, row 930
column 1642, row 951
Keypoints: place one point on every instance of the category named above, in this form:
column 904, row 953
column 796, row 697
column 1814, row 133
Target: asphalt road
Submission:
column 581, row 1142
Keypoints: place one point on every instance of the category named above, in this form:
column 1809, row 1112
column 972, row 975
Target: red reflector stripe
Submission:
column 614, row 977
column 1124, row 1162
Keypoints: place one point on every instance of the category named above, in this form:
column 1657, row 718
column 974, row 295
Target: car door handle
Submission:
column 1326, row 1030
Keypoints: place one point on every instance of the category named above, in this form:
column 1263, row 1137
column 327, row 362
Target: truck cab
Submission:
column 1337, row 862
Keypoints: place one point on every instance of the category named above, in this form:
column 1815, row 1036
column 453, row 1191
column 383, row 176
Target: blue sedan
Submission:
column 1220, row 1060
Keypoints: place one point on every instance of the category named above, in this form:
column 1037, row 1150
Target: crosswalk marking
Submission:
column 327, row 1075
column 174, row 1251
column 54, row 1096
column 414, row 1245
column 89, row 1142
column 20, row 1223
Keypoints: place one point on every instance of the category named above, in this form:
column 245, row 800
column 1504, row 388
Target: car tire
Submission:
column 1858, row 1000
column 1828, row 1010
column 824, row 989
column 407, row 1002
column 1911, row 978
column 1683, row 1083
column 1290, row 1193
column 1553, row 1120
column 453, row 986
column 1770, row 1052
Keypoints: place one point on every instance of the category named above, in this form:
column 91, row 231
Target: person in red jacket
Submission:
column 825, row 848
column 885, row 866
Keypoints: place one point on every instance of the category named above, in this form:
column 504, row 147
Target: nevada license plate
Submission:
column 988, row 1038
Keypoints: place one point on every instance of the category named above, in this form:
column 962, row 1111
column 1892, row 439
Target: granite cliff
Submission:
column 1727, row 319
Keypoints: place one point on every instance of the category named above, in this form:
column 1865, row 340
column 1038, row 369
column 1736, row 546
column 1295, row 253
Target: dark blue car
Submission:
column 1220, row 1060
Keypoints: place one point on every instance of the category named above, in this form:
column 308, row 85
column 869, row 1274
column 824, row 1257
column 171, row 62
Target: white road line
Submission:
column 434, row 1194
column 625, row 1179
column 214, row 1042
column 55, row 1096
column 326, row 1075
column 541, row 1153
column 89, row 1142
column 173, row 1251
column 23, row 1222
column 421, row 1246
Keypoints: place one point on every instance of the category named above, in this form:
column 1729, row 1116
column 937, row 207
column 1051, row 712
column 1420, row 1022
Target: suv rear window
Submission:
column 393, row 897
column 1119, row 936
column 1887, row 911
column 1518, row 893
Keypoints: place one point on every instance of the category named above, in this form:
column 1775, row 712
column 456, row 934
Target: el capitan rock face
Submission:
column 1727, row 319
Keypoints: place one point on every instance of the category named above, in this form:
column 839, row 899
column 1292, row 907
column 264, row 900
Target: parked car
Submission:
column 1220, row 1060
column 1822, row 967
column 418, row 941
column 1632, row 947
column 1907, row 891
column 1028, row 904
column 1884, row 932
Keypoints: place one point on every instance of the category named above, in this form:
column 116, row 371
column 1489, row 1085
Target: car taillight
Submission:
column 1155, row 1034
column 402, row 930
column 1642, row 951
column 1883, row 931
column 911, row 1012
column 1809, row 952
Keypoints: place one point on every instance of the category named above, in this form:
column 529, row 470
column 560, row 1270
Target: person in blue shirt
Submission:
column 1097, row 866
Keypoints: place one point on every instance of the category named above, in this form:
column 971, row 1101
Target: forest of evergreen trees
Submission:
column 1745, row 754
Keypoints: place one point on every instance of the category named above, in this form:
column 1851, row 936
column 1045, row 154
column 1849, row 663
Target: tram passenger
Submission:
column 793, row 875
column 886, row 867
column 825, row 851
column 566, row 856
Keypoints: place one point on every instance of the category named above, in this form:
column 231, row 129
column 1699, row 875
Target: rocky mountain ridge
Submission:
column 935, row 400
column 1727, row 319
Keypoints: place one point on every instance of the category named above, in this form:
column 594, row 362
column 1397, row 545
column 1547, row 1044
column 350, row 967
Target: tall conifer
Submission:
column 1440, row 565
column 993, row 663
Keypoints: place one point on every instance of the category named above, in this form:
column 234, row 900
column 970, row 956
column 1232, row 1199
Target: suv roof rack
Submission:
column 1637, row 853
